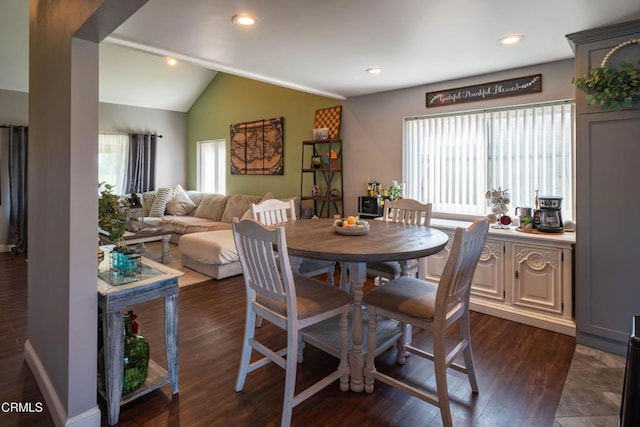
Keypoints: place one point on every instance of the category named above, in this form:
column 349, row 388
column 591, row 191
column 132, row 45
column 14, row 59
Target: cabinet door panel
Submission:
column 488, row 281
column 434, row 264
column 538, row 278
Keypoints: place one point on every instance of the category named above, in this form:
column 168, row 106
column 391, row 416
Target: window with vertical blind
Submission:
column 452, row 160
column 211, row 168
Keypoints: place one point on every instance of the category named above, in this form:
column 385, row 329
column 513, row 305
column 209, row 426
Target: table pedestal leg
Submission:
column 357, row 277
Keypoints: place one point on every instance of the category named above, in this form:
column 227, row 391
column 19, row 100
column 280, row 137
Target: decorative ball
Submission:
column 569, row 225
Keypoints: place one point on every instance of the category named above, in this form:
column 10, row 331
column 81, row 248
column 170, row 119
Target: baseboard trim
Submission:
column 90, row 418
column 5, row 248
column 602, row 343
column 538, row 320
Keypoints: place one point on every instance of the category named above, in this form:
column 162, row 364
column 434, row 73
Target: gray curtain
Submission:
column 141, row 166
column 18, row 137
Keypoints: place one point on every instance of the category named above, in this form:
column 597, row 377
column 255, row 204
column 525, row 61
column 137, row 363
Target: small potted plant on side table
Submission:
column 112, row 219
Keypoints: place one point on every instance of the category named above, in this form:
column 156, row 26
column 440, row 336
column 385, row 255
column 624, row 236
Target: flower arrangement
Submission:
column 612, row 88
column 499, row 200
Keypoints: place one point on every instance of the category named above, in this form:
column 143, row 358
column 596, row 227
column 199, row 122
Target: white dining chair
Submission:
column 434, row 307
column 291, row 302
column 406, row 211
column 274, row 211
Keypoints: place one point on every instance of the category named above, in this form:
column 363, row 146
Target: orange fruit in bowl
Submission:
column 351, row 219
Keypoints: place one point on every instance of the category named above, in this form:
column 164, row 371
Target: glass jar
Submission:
column 136, row 357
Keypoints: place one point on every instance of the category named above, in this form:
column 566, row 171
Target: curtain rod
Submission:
column 8, row 126
column 142, row 133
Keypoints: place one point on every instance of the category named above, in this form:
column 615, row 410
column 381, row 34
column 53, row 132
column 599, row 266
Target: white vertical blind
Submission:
column 211, row 166
column 452, row 160
column 113, row 153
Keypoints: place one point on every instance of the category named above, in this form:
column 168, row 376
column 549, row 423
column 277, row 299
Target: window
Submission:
column 452, row 160
column 211, row 166
column 113, row 152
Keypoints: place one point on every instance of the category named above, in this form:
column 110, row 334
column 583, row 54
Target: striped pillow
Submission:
column 147, row 201
column 160, row 202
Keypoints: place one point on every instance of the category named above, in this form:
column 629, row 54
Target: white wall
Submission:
column 171, row 161
column 372, row 124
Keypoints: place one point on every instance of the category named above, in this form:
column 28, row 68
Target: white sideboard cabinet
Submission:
column 524, row 277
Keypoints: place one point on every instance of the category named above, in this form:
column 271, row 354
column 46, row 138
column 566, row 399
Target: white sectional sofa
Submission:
column 200, row 224
column 206, row 218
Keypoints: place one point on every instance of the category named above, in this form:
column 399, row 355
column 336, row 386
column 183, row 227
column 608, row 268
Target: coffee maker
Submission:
column 548, row 218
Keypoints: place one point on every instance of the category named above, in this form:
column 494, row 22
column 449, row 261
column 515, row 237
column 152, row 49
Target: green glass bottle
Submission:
column 136, row 356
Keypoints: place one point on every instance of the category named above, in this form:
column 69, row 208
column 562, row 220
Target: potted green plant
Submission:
column 395, row 190
column 612, row 88
column 527, row 224
column 112, row 219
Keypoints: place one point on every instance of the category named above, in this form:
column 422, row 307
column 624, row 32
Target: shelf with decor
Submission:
column 321, row 180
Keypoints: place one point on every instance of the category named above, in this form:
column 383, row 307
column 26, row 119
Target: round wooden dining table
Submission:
column 385, row 241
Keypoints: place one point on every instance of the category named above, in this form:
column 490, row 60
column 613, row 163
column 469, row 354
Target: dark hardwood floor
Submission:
column 521, row 370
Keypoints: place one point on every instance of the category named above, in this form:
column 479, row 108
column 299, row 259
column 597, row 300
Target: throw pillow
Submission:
column 160, row 202
column 211, row 207
column 180, row 204
column 147, row 201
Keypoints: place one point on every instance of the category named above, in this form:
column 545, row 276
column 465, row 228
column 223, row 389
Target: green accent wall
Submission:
column 230, row 99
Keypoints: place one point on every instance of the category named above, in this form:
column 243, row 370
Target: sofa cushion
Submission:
column 180, row 204
column 212, row 247
column 211, row 207
column 191, row 224
column 237, row 205
column 196, row 197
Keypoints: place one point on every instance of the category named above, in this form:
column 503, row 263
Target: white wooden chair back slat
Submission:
column 408, row 211
column 273, row 211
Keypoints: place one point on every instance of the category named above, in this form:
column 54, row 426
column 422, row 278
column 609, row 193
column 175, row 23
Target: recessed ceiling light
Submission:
column 374, row 70
column 511, row 39
column 244, row 19
column 171, row 61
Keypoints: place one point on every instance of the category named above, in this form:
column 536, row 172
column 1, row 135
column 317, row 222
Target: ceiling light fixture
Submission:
column 171, row 61
column 244, row 19
column 374, row 70
column 511, row 39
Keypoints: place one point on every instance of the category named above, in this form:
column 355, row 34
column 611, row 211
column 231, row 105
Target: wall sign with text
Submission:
column 493, row 90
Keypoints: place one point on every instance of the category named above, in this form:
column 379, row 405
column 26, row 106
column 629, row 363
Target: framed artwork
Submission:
column 329, row 118
column 257, row 148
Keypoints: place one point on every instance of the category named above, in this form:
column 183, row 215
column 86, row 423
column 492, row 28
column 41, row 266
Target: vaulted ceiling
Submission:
column 318, row 47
